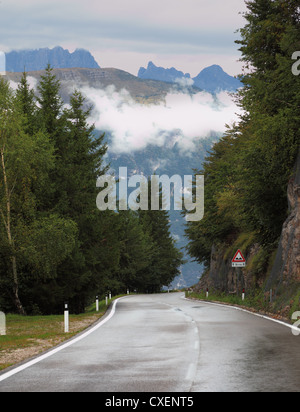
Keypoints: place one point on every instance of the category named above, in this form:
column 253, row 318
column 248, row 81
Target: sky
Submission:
column 126, row 34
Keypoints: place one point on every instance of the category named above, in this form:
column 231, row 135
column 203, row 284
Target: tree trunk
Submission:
column 7, row 223
column 18, row 303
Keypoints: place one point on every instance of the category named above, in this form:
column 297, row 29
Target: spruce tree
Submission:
column 34, row 242
column 27, row 103
column 78, row 166
column 50, row 102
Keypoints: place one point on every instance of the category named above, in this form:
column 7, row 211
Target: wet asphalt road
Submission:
column 164, row 343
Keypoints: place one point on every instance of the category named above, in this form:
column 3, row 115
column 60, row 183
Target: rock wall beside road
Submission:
column 286, row 268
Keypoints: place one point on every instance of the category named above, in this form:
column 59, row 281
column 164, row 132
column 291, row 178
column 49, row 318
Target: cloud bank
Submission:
column 32, row 82
column 181, row 118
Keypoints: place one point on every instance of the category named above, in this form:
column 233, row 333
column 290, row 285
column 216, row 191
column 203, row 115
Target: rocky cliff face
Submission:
column 59, row 58
column 223, row 277
column 286, row 268
column 284, row 276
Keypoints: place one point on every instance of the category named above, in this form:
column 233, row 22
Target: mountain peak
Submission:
column 58, row 57
column 151, row 65
column 212, row 79
column 154, row 72
column 215, row 67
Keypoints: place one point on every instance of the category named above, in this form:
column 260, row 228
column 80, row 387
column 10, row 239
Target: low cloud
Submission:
column 32, row 82
column 184, row 81
column 181, row 118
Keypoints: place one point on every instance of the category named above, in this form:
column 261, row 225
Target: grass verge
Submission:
column 254, row 302
column 28, row 336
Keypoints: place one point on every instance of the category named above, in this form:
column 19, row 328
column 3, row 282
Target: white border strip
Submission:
column 293, row 328
column 61, row 347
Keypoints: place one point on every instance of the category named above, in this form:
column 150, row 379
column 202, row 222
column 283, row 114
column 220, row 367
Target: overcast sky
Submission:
column 126, row 34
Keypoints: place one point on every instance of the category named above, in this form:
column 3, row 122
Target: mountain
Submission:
column 212, row 79
column 59, row 58
column 143, row 91
column 159, row 73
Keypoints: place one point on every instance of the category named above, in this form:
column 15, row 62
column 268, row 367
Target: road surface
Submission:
column 164, row 343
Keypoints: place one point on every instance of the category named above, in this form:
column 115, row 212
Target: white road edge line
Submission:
column 61, row 347
column 191, row 373
column 247, row 311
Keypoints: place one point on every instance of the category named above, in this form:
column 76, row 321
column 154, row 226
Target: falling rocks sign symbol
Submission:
column 238, row 260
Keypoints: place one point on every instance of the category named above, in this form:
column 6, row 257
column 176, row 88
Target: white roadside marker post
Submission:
column 97, row 304
column 2, row 324
column 66, row 316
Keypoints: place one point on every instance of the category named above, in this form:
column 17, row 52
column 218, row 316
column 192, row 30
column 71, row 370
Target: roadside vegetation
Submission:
column 254, row 301
column 249, row 170
column 28, row 336
column 55, row 245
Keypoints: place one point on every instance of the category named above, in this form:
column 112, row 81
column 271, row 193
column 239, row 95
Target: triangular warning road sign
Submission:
column 238, row 260
column 238, row 257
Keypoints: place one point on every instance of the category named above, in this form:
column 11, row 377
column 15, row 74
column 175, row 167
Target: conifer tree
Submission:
column 50, row 102
column 27, row 103
column 79, row 163
column 26, row 160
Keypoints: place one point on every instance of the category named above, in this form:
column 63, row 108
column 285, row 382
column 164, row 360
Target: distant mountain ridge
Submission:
column 143, row 91
column 159, row 73
column 212, row 79
column 59, row 58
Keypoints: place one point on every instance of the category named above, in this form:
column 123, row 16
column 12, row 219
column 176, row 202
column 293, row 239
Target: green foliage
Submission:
column 254, row 300
column 243, row 242
column 55, row 245
column 166, row 258
column 45, row 243
column 136, row 251
column 248, row 170
column 50, row 103
column 25, row 99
